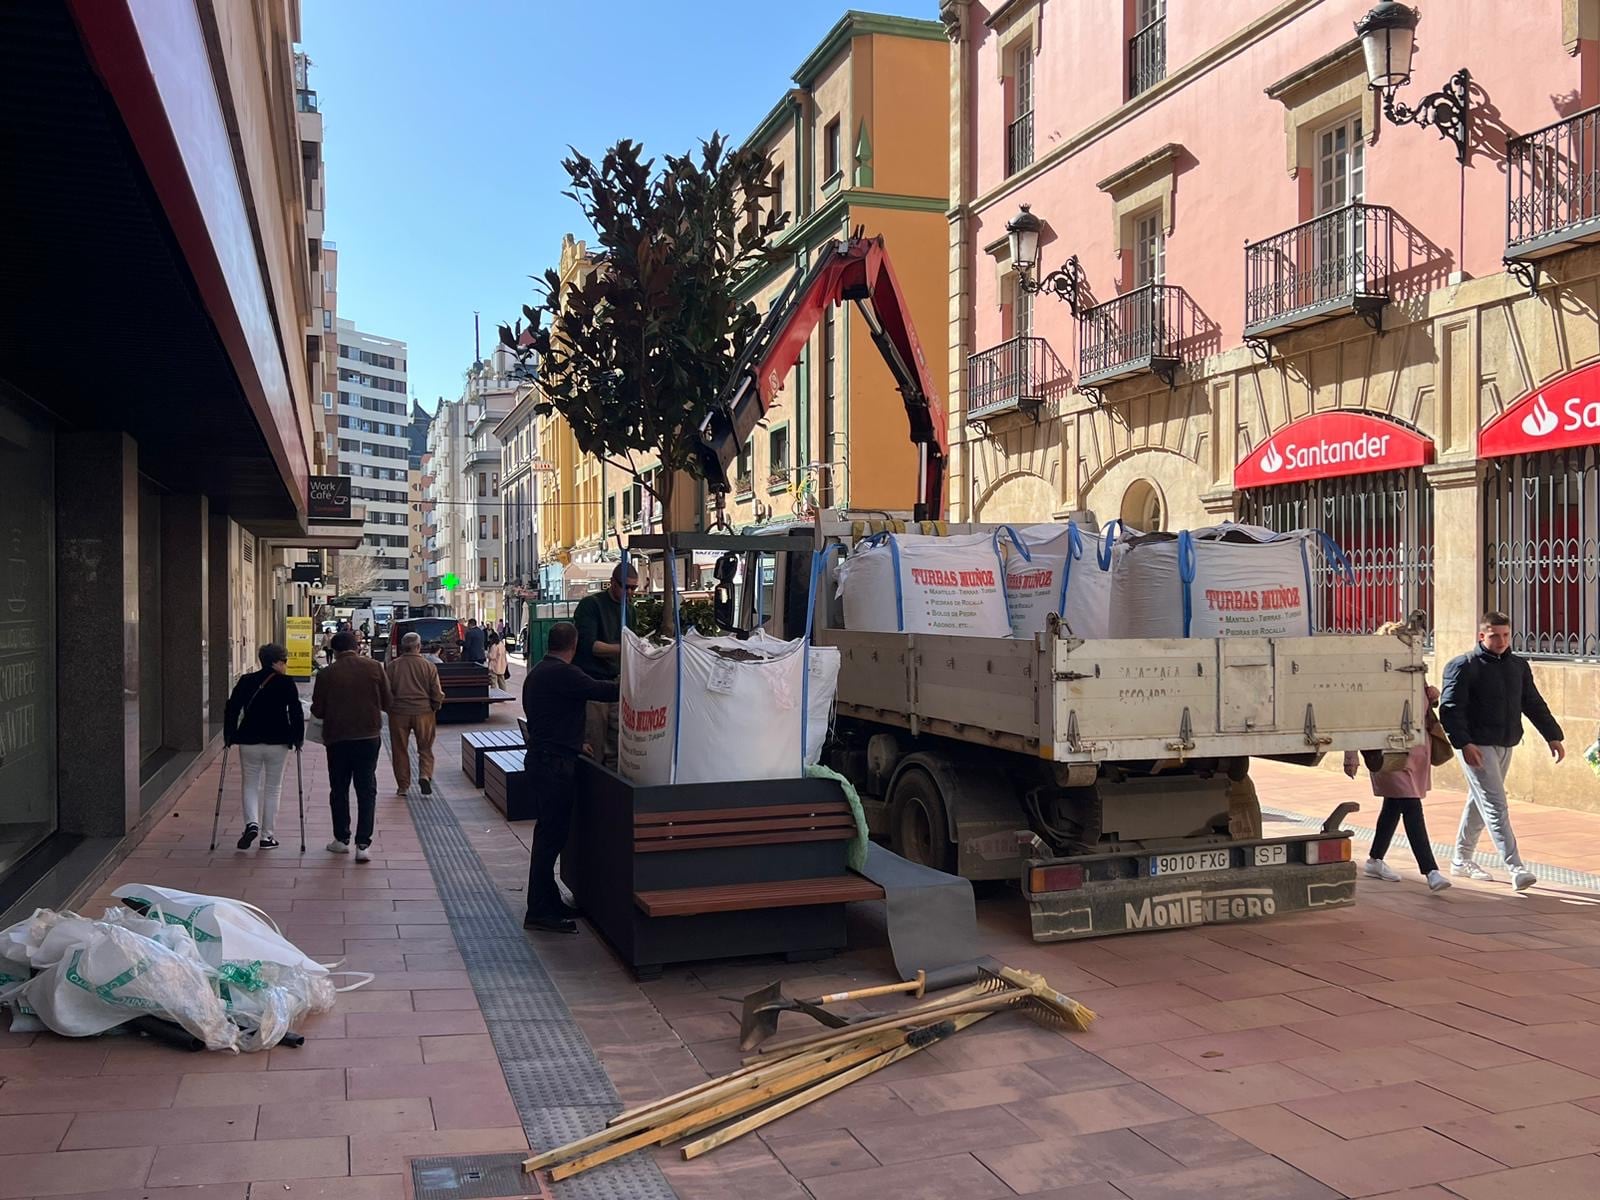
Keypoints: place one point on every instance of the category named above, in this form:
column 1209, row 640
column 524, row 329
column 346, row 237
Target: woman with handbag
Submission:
column 264, row 719
column 1402, row 792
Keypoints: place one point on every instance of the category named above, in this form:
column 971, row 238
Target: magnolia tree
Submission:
column 634, row 356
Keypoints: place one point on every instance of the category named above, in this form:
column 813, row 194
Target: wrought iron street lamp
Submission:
column 1023, row 233
column 1388, row 38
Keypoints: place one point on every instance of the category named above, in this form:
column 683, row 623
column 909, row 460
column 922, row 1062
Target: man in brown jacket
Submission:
column 350, row 698
column 416, row 696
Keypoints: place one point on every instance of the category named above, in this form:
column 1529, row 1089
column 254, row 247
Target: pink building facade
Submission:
column 1265, row 299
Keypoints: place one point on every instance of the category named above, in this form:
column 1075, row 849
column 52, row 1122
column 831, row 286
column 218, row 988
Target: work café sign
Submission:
column 1330, row 444
column 1564, row 412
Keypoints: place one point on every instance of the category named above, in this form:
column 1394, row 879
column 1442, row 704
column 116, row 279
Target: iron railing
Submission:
column 1147, row 57
column 1019, row 143
column 1011, row 377
column 1384, row 524
column 1142, row 330
column 1541, row 528
column 1340, row 261
column 1553, row 184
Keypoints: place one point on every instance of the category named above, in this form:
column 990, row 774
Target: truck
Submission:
column 1109, row 778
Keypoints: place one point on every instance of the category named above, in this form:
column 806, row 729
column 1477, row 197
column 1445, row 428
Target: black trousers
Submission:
column 1409, row 808
column 354, row 762
column 555, row 783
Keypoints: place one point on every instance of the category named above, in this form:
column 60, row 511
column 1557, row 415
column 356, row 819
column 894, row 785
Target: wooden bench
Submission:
column 694, row 871
column 507, row 786
column 475, row 745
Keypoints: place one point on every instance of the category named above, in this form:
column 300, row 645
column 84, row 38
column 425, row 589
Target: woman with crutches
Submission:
column 265, row 721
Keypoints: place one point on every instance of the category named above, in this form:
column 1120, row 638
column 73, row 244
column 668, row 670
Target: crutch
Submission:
column 300, row 791
column 222, row 777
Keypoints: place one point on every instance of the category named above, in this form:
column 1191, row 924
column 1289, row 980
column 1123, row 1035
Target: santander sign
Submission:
column 1326, row 445
column 1565, row 412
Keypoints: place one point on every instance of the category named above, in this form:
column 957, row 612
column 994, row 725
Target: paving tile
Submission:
column 1060, row 1162
column 809, row 1155
column 386, row 1153
column 1387, row 1162
column 329, row 1117
column 161, row 1127
column 972, row 1089
column 272, row 1087
column 34, row 1132
column 103, row 1093
column 1504, row 1089
column 927, row 1136
column 1529, row 1135
column 68, row 1171
column 1098, row 1110
column 1350, row 1070
column 1382, row 1109
column 1238, row 1087
column 1258, row 1178
column 954, row 1177
column 1568, row 1179
column 1195, row 1141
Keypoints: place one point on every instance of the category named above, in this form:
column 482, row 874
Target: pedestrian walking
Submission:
column 350, row 698
column 1487, row 692
column 496, row 660
column 598, row 618
column 556, row 697
column 264, row 720
column 475, row 646
column 416, row 695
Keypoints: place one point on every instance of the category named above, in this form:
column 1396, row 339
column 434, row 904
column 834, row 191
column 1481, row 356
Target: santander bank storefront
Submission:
column 1359, row 477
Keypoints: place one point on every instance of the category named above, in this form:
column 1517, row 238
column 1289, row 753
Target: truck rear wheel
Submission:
column 919, row 821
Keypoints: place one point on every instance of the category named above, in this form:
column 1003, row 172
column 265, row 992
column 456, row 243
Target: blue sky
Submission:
column 446, row 122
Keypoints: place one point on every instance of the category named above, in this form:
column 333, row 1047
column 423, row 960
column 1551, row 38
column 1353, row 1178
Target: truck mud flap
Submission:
column 1134, row 905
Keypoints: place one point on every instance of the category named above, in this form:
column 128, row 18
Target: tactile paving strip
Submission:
column 560, row 1089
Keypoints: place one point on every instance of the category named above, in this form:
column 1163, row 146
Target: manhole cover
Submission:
column 474, row 1177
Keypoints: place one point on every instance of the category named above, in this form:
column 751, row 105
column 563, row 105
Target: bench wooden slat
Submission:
column 717, row 841
column 735, row 897
column 697, row 829
column 828, row 808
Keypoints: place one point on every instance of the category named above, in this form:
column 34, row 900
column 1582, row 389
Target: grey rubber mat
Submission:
column 557, row 1082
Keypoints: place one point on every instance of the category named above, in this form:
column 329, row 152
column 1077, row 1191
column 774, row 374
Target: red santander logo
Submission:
column 1331, row 444
column 1564, row 412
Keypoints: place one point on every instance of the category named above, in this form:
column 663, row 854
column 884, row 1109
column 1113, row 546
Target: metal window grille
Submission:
column 1384, row 524
column 1541, row 528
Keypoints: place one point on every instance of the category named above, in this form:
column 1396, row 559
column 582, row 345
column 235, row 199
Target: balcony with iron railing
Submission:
column 1552, row 191
column 1019, row 143
column 1339, row 263
column 1147, row 57
column 1017, row 376
column 1138, row 333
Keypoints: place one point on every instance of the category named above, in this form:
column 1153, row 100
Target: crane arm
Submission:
column 857, row 270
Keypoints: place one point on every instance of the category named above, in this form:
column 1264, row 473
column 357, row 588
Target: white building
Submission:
column 373, row 418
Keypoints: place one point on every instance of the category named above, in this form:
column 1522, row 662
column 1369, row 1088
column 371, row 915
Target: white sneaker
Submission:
column 363, row 854
column 1471, row 870
column 1378, row 869
column 1437, row 882
column 338, row 847
column 1522, row 879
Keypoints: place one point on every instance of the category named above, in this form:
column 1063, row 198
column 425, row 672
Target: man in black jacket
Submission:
column 1486, row 695
column 555, row 700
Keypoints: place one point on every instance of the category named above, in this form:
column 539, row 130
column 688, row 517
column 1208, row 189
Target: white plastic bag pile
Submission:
column 713, row 709
column 1228, row 580
column 1067, row 573
column 206, row 963
column 919, row 583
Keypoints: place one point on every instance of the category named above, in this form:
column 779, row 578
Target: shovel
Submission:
column 762, row 1008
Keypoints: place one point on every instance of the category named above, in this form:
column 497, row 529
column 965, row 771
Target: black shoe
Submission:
column 248, row 836
column 269, row 842
column 550, row 924
column 427, row 787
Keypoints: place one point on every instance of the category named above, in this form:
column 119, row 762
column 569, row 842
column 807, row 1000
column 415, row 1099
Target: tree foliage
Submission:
column 633, row 356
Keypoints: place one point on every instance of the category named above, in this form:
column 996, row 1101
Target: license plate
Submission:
column 1271, row 856
column 1189, row 863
